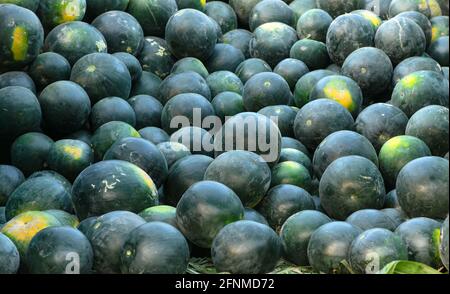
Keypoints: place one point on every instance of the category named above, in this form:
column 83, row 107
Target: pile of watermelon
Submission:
column 136, row 135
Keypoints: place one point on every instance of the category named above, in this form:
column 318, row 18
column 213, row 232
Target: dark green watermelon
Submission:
column 223, row 14
column 155, row 57
column 293, row 173
column 224, row 58
column 287, row 142
column 147, row 110
column 190, row 64
column 246, row 247
column 53, row 13
column 182, row 83
column 154, row 135
column 350, row 184
column 97, row 7
column 374, row 249
column 224, row 81
column 173, row 151
column 48, row 68
column 271, row 11
column 111, row 109
column 320, row 118
column 367, row 219
column 132, row 63
column 65, row 107
column 313, row 53
column 439, row 27
column 306, row 84
column 291, row 70
column 239, row 39
column 60, row 250
column 251, row 67
column 17, row 78
column 443, row 248
column 413, row 64
column 283, row 116
column 422, row 188
column 314, row 24
column 243, row 9
column 196, row 139
column 10, row 178
column 300, row 7
column 423, row 22
column 227, row 104
column 154, row 248
column 153, row 15
column 374, row 19
column 49, row 173
column 439, row 51
column 252, row 215
column 147, row 84
column 160, row 213
column 290, row 154
column 429, row 8
column 9, row 256
column 86, row 225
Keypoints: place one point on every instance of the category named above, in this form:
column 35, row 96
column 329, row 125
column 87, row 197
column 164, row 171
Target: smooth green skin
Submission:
column 392, row 200
column 244, row 172
column 243, row 9
column 291, row 70
column 9, row 256
column 227, row 104
column 265, row 89
column 29, row 152
column 430, row 124
column 38, row 194
column 252, row 215
column 339, row 7
column 17, row 78
column 399, row 6
column 396, row 215
column 132, row 63
column 82, row 135
column 65, row 218
column 306, row 84
column 412, row 41
column 439, row 51
column 191, row 33
column 182, row 175
column 346, row 34
column 102, row 75
column 283, row 116
column 10, row 178
column 73, row 40
column 341, row 144
column 328, row 246
column 111, row 109
column 54, row 175
column 49, row 67
column 154, row 135
column 225, row 57
column 190, row 64
column 422, row 188
column 53, row 13
column 147, row 84
column 23, row 18
column 160, row 213
column 287, row 142
column 183, row 83
column 52, row 250
column 62, row 159
column 97, row 7
column 272, row 42
column 422, row 237
column 64, row 97
column 296, row 233
column 422, row 21
column 153, row 15
column 223, row 14
column 20, row 112
column 147, row 110
column 142, row 153
column 135, row 191
column 246, row 247
column 271, row 11
column 109, row 133
column 374, row 249
column 443, row 248
column 414, row 64
column 313, row 53
column 240, row 39
column 440, row 27
column 350, row 184
column 293, row 173
column 107, row 236
column 314, row 24
column 155, row 57
column 320, row 118
column 119, row 37
column 397, row 152
column 155, row 248
column 290, row 154
column 224, row 81
column 204, row 209
column 251, row 67
column 173, row 152
column 367, row 219
column 283, row 201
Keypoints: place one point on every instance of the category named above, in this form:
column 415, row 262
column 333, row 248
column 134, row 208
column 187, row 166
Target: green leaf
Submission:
column 408, row 267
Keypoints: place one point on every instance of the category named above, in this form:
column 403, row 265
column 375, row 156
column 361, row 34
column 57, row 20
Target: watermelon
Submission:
column 190, row 64
column 341, row 89
column 147, row 110
column 154, row 248
column 224, row 58
column 48, row 68
column 111, row 109
column 239, row 39
column 22, row 37
column 70, row 157
column 320, row 118
column 28, row 4
column 268, row 11
column 74, row 40
column 246, row 247
column 17, row 78
column 86, row 225
column 122, row 32
column 97, row 7
column 65, row 107
column 20, row 112
column 102, row 75
column 223, row 14
column 429, row 8
column 29, row 152
column 160, row 213
column 59, row 250
column 299, row 7
column 367, row 219
column 287, row 142
column 374, row 249
column 328, row 246
column 196, row 139
column 227, row 104
column 430, row 124
column 346, row 34
column 200, row 41
column 283, row 116
column 306, row 84
column 293, row 173
column 82, row 135
column 413, row 64
column 173, row 152
column 147, row 84
column 372, row 17
column 65, row 218
column 314, row 24
column 272, row 42
column 338, row 7
column 154, row 135
column 371, row 68
column 379, row 7
column 49, row 173
column 400, row 38
column 422, row 236
column 251, row 67
column 155, row 57
column 423, row 22
column 53, row 13
column 265, row 89
column 290, row 154
column 396, row 215
column 183, row 83
column 252, row 215
column 364, row 187
column 439, row 51
column 153, row 15
column 243, row 9
column 9, row 256
column 224, row 81
column 381, row 122
column 291, row 70
column 313, row 53
column 283, row 201
column 439, row 27
column 422, row 188
column 444, row 243
column 10, row 178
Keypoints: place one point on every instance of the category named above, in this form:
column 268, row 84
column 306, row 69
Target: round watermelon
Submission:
column 439, row 51
column 10, row 178
column 423, row 22
column 17, row 78
column 196, row 139
column 243, row 9
column 268, row 11
column 313, row 53
column 147, row 84
column 293, row 173
column 224, row 58
column 173, row 152
column 223, row 14
column 111, row 109
column 414, row 64
column 154, row 135
column 227, row 104
column 374, row 19
column 48, row 68
column 439, row 27
column 224, row 81
column 161, row 213
column 190, row 64
column 291, row 70
column 314, row 24
column 153, row 15
column 132, row 63
column 252, row 215
column 53, row 13
column 367, row 219
column 239, row 39
column 9, row 256
column 155, row 57
column 183, row 83
column 251, row 67
column 283, row 116
column 290, row 154
column 429, row 8
column 147, row 110
column 306, row 84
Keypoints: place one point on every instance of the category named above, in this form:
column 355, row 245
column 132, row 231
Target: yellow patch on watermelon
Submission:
column 339, row 93
column 203, row 3
column 70, row 11
column 91, row 68
column 375, row 20
column 435, row 8
column 73, row 151
column 146, row 178
column 409, row 81
column 19, row 47
column 396, row 143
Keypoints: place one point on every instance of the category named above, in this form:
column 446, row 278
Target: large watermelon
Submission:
column 10, row 178
column 49, row 67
